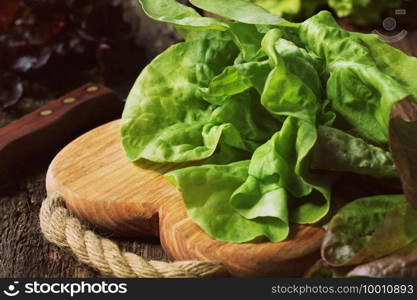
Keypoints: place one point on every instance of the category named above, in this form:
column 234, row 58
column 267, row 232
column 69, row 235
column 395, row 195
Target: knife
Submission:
column 49, row 128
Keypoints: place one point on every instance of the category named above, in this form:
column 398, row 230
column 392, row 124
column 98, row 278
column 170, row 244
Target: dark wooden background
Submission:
column 23, row 250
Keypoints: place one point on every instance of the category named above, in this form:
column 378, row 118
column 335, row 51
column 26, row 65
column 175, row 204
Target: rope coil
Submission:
column 62, row 228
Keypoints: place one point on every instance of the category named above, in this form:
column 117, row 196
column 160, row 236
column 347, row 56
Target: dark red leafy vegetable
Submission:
column 48, row 47
column 323, row 270
column 403, row 144
column 400, row 264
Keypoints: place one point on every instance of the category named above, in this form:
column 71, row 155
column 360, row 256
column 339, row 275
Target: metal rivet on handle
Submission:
column 69, row 100
column 46, row 112
column 92, row 88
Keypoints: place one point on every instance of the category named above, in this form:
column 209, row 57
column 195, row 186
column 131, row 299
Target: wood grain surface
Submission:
column 23, row 250
column 104, row 188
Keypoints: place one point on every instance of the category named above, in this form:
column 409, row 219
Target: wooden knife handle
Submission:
column 50, row 127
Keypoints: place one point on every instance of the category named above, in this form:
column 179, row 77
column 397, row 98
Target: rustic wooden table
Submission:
column 23, row 250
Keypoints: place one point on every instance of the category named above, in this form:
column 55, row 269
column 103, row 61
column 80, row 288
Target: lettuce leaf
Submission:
column 239, row 10
column 402, row 263
column 280, row 7
column 363, row 11
column 339, row 151
column 278, row 178
column 291, row 9
column 206, row 190
column 359, row 90
column 173, row 12
column 173, row 126
column 369, row 228
column 293, row 87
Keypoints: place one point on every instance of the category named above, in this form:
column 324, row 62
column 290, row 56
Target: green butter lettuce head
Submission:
column 269, row 111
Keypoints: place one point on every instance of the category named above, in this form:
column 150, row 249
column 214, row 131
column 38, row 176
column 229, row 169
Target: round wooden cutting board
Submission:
column 101, row 186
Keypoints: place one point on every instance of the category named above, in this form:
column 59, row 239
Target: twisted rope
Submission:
column 60, row 227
